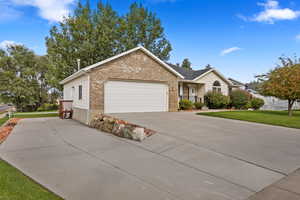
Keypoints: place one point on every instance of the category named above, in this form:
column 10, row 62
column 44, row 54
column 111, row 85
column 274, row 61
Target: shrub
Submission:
column 239, row 98
column 185, row 104
column 47, row 107
column 198, row 105
column 215, row 100
column 257, row 103
column 248, row 105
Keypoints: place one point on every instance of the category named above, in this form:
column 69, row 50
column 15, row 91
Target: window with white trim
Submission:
column 80, row 92
column 216, row 87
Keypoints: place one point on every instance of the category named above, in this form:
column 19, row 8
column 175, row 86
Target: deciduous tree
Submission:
column 92, row 35
column 283, row 82
column 22, row 76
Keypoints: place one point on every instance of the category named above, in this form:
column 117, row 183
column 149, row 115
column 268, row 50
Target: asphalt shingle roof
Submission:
column 235, row 82
column 189, row 74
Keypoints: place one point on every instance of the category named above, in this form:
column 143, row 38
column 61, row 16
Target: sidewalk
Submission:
column 286, row 188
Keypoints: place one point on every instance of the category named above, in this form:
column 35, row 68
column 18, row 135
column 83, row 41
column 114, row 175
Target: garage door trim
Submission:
column 137, row 96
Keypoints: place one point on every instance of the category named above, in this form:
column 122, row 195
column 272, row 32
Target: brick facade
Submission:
column 136, row 66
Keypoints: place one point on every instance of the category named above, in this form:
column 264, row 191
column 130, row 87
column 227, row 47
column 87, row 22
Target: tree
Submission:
column 22, row 76
column 186, row 64
column 95, row 35
column 283, row 82
column 88, row 35
column 142, row 27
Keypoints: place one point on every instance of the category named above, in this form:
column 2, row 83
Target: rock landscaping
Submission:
column 120, row 128
column 6, row 129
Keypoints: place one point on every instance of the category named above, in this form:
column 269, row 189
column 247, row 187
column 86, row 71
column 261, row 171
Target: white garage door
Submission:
column 121, row 96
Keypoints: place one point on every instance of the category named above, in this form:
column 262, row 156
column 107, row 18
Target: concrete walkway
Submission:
column 78, row 162
column 287, row 188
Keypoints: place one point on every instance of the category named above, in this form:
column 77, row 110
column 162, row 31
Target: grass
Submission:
column 34, row 115
column 16, row 186
column 278, row 118
column 2, row 121
column 37, row 112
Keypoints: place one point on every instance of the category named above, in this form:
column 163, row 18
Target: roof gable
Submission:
column 189, row 74
column 235, row 82
column 99, row 64
column 215, row 72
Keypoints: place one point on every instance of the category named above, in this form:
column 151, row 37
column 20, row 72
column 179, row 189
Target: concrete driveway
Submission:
column 191, row 157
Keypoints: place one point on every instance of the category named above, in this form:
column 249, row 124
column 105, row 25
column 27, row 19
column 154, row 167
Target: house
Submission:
column 237, row 84
column 137, row 81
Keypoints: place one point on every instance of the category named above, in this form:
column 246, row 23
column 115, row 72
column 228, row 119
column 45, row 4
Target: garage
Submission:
column 127, row 96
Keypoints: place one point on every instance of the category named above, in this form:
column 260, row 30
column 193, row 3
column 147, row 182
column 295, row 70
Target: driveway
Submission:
column 191, row 157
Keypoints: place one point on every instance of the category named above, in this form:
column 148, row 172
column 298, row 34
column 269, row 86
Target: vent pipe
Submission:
column 78, row 64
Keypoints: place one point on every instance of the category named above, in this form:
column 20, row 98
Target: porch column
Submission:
column 180, row 91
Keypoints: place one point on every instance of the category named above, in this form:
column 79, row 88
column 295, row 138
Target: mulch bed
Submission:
column 6, row 129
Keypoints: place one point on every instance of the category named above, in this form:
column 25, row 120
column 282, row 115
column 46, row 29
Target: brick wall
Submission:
column 136, row 66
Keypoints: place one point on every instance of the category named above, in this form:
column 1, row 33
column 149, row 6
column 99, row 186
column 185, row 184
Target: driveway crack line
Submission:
column 224, row 154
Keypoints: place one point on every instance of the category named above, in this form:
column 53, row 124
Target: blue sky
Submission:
column 241, row 38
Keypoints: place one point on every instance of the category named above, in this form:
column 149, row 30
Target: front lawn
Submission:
column 278, row 118
column 15, row 186
column 34, row 115
column 3, row 120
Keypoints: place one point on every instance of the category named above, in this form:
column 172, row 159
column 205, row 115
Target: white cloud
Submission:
column 51, row 10
column 273, row 12
column 298, row 37
column 229, row 50
column 6, row 43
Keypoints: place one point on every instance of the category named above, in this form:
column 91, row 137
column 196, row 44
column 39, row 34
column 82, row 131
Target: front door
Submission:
column 192, row 94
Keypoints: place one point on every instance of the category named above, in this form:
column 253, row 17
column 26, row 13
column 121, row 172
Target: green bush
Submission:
column 257, row 103
column 185, row 104
column 239, row 98
column 47, row 107
column 215, row 100
column 248, row 105
column 198, row 105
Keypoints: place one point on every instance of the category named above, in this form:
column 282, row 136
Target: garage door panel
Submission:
column 121, row 96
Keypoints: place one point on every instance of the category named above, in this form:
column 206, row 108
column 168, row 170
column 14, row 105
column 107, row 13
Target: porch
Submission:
column 191, row 90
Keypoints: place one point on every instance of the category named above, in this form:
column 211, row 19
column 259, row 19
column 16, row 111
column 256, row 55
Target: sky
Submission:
column 240, row 38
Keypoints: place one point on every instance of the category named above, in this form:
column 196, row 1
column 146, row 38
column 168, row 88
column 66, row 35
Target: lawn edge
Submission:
column 31, row 179
column 241, row 120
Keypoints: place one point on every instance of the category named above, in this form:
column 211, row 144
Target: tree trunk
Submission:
column 290, row 106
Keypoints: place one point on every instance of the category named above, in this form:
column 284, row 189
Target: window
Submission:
column 80, row 92
column 73, row 93
column 216, row 86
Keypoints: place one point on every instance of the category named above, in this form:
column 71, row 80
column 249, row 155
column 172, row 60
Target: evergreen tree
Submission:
column 186, row 64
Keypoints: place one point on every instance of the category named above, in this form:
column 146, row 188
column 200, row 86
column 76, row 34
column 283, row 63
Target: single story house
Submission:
column 237, row 85
column 137, row 81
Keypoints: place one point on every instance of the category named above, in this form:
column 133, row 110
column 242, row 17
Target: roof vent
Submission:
column 78, row 64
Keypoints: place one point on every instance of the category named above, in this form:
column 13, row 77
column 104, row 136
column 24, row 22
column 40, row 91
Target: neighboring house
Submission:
column 237, row 85
column 137, row 81
column 273, row 103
